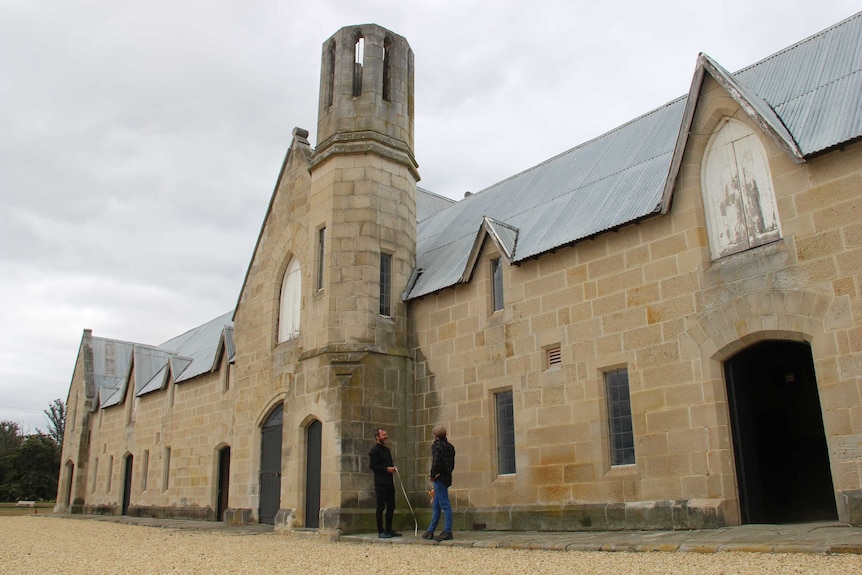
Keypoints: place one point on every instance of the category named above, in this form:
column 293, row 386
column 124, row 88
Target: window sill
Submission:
column 629, row 470
column 505, row 478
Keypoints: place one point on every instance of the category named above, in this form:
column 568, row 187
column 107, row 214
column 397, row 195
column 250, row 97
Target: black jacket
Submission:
column 381, row 458
column 442, row 460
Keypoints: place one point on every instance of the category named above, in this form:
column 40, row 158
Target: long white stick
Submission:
column 404, row 491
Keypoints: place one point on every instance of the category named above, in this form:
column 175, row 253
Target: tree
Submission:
column 10, row 437
column 10, row 440
column 34, row 469
column 56, row 414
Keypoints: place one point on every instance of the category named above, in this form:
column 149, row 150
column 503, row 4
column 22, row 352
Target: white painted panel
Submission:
column 739, row 199
column 289, row 307
column 758, row 196
column 723, row 203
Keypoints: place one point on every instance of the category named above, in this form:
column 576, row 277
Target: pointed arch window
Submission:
column 741, row 211
column 289, row 308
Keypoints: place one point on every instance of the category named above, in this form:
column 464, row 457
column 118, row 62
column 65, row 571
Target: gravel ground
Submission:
column 46, row 545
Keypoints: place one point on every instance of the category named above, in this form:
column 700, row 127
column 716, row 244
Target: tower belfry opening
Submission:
column 358, row 59
column 387, row 61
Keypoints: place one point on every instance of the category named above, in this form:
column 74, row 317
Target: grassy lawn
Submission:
column 10, row 509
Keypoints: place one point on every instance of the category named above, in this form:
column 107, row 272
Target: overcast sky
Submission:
column 140, row 141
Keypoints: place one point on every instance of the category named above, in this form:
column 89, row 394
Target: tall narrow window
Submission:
column 359, row 56
column 145, row 469
column 385, row 285
column 739, row 199
column 172, row 391
column 622, row 441
column 321, row 238
column 505, row 412
column 497, row 284
column 291, row 299
column 95, row 475
column 166, row 478
column 330, row 76
column 70, row 411
column 110, row 474
column 387, row 62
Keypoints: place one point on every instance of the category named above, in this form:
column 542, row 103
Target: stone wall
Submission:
column 649, row 298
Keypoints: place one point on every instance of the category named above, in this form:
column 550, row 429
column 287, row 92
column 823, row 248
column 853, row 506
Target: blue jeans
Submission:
column 441, row 503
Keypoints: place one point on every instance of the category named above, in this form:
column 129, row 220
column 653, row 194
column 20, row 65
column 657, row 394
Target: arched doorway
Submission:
column 782, row 462
column 223, row 482
column 313, row 438
column 270, row 466
column 127, row 484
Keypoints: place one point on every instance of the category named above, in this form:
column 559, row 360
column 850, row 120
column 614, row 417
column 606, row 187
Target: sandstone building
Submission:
column 659, row 328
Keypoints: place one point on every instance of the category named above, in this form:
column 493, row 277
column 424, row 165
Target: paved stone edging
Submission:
column 811, row 539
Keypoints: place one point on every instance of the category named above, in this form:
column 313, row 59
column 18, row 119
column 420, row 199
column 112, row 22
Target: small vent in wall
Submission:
column 554, row 357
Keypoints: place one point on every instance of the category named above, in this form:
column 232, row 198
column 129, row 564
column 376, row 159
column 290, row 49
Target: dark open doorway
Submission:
column 70, row 472
column 314, row 436
column 127, row 484
column 223, row 482
column 270, row 466
column 782, row 463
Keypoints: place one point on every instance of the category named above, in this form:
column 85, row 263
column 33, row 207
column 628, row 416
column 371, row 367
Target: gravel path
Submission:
column 47, row 545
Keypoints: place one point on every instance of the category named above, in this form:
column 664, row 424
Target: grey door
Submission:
column 270, row 467
column 127, row 485
column 782, row 462
column 223, row 482
column 314, row 436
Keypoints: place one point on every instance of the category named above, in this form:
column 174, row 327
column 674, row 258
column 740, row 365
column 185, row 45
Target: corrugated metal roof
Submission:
column 156, row 382
column 505, row 235
column 199, row 344
column 815, row 86
column 149, row 363
column 809, row 94
column 429, row 203
column 112, row 360
column 184, row 357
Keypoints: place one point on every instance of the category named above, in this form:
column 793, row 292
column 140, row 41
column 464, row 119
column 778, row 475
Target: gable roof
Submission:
column 808, row 97
column 196, row 352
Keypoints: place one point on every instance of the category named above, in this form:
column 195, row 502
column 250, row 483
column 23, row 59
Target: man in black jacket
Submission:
column 384, row 486
column 442, row 464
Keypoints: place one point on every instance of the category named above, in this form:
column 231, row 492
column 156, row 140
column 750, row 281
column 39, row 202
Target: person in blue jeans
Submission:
column 442, row 464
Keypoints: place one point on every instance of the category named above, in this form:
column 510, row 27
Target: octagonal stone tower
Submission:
column 362, row 207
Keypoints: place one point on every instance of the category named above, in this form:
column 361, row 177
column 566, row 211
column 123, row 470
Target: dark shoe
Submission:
column 444, row 536
column 394, row 534
column 428, row 535
column 384, row 535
